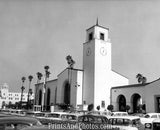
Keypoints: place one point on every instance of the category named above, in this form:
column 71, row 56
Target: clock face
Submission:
column 88, row 52
column 103, row 51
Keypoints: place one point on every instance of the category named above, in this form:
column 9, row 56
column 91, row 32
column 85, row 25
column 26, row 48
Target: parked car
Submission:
column 138, row 114
column 5, row 111
column 17, row 112
column 119, row 113
column 34, row 113
column 58, row 117
column 48, row 128
column 126, row 122
column 92, row 121
column 149, row 117
column 106, row 113
column 61, row 116
column 17, row 122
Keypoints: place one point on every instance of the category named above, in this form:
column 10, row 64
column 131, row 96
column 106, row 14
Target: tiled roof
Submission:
column 132, row 85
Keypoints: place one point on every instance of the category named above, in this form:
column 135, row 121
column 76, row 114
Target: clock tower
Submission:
column 97, row 67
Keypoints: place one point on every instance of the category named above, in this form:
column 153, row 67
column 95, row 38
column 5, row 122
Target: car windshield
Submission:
column 125, row 122
column 39, row 114
column 147, row 116
column 30, row 113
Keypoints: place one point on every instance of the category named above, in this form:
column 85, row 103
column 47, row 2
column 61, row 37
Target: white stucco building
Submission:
column 92, row 83
column 11, row 97
column 147, row 94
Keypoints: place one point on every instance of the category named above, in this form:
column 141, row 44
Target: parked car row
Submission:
column 98, row 120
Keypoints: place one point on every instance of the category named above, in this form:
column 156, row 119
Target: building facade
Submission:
column 146, row 95
column 7, row 97
column 89, row 85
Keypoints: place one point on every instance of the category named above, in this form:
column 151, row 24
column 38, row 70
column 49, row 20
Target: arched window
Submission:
column 136, row 102
column 122, row 103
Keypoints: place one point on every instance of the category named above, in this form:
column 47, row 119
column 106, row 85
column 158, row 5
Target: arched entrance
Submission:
column 67, row 93
column 121, row 103
column 48, row 99
column 40, row 97
column 136, row 102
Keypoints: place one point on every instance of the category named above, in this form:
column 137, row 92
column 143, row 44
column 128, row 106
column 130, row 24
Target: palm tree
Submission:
column 30, row 77
column 22, row 88
column 144, row 80
column 46, row 68
column 141, row 78
column 70, row 61
column 47, row 73
column 39, row 77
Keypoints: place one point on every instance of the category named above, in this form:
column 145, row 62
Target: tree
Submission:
column 144, row 107
column 39, row 76
column 70, row 61
column 110, row 107
column 3, row 104
column 30, row 77
column 10, row 104
column 141, row 78
column 98, row 108
column 46, row 76
column 128, row 108
column 144, row 80
column 90, row 107
column 22, row 89
column 46, row 71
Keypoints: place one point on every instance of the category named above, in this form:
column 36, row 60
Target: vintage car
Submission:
column 106, row 113
column 126, row 122
column 17, row 112
column 58, row 117
column 149, row 117
column 119, row 113
column 61, row 116
column 38, row 114
column 92, row 121
column 17, row 122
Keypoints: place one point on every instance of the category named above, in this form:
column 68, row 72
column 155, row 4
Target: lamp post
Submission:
column 22, row 89
column 30, row 77
column 46, row 76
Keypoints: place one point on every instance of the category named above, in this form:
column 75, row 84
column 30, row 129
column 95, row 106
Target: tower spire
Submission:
column 97, row 21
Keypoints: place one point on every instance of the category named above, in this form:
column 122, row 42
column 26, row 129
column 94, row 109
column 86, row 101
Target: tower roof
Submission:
column 97, row 24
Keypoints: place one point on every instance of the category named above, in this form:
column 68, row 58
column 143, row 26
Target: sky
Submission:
column 35, row 33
